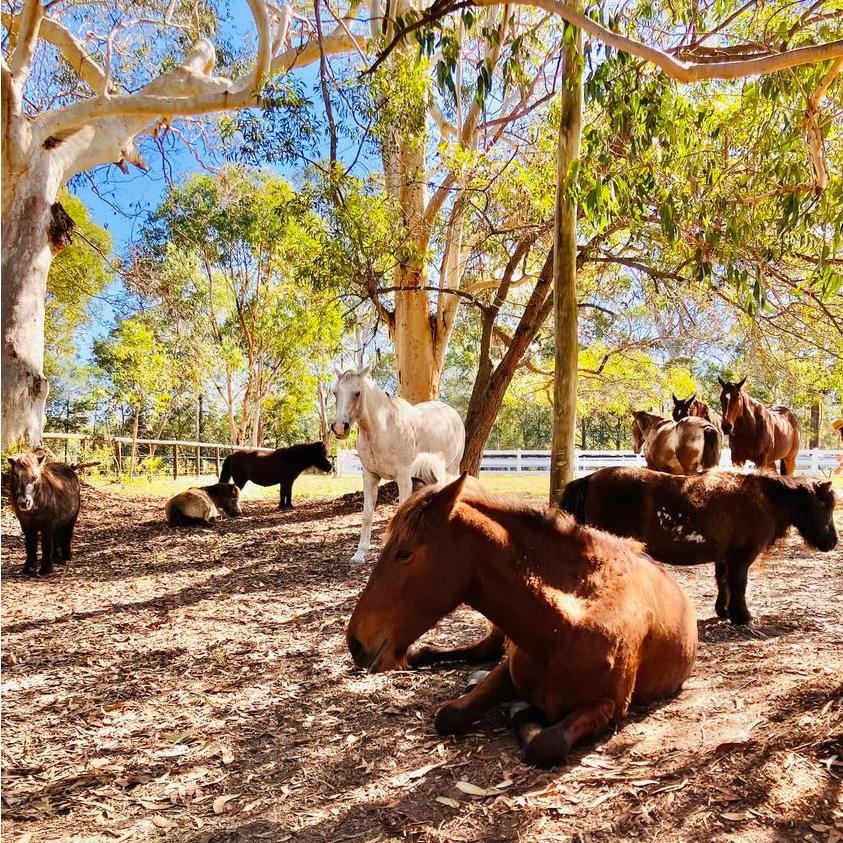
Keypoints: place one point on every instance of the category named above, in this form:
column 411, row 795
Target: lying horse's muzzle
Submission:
column 362, row 657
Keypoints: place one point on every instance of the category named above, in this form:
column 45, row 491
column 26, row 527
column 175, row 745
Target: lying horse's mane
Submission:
column 409, row 520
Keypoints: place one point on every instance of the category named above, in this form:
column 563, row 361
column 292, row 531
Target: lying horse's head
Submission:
column 682, row 407
column 731, row 402
column 416, row 581
column 813, row 516
column 226, row 496
column 349, row 396
column 26, row 475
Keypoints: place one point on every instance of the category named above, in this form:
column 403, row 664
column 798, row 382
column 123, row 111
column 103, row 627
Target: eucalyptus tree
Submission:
column 81, row 83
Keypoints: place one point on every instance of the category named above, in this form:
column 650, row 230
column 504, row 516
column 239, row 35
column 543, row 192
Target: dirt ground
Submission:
column 195, row 686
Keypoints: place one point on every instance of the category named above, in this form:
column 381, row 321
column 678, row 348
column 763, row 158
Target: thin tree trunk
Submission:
column 135, row 423
column 816, row 420
column 563, row 453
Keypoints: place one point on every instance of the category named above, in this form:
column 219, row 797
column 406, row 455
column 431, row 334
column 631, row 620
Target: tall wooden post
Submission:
column 563, row 455
column 198, row 460
column 175, row 462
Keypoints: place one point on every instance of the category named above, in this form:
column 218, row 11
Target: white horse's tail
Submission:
column 429, row 468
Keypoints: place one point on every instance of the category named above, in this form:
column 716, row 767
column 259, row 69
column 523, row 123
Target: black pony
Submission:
column 281, row 466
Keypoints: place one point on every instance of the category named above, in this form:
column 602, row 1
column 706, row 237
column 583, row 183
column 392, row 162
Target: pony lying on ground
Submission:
column 758, row 433
column 200, row 505
column 45, row 497
column 684, row 407
column 728, row 518
column 281, row 466
column 685, row 447
column 593, row 623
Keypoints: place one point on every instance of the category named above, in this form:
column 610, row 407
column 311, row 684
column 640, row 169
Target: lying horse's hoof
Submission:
column 451, row 720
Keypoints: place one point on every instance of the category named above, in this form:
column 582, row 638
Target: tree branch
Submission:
column 29, row 22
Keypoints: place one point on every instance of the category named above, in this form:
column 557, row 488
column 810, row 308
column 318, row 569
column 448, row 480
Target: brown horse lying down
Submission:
column 593, row 623
column 202, row 504
column 722, row 517
column 45, row 497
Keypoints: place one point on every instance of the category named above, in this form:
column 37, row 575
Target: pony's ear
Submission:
column 721, row 381
column 13, row 461
column 446, row 498
column 740, row 383
column 692, row 399
column 823, row 485
column 364, row 372
column 675, row 399
column 41, row 459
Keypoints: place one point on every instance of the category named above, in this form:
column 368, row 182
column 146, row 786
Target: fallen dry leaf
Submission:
column 221, row 801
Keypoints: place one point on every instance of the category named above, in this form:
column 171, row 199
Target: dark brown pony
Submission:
column 724, row 517
column 684, row 407
column 281, row 466
column 593, row 623
column 45, row 497
column 757, row 433
column 200, row 505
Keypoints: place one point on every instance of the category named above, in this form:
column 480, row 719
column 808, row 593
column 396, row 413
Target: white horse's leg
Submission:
column 405, row 486
column 370, row 497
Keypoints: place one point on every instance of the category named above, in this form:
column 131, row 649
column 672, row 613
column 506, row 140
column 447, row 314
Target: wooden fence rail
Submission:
column 191, row 452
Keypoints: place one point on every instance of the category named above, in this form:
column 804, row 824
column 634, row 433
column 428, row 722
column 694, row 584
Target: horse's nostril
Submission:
column 358, row 651
column 346, row 426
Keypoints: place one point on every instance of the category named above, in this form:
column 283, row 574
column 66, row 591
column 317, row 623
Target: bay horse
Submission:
column 684, row 407
column 46, row 499
column 281, row 466
column 594, row 625
column 684, row 447
column 200, row 505
column 725, row 517
column 392, row 435
column 757, row 433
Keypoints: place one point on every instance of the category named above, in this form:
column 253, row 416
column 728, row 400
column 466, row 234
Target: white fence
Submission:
column 810, row 461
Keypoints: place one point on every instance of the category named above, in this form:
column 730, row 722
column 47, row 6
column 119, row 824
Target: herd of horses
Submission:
column 585, row 619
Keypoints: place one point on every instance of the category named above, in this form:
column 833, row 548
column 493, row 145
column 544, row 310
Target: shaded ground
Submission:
column 194, row 686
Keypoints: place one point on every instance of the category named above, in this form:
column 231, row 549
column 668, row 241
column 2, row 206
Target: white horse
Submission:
column 396, row 439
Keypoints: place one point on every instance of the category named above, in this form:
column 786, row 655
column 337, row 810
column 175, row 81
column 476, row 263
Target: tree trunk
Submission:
column 490, row 386
column 563, row 453
column 27, row 201
column 816, row 421
column 135, row 423
column 412, row 338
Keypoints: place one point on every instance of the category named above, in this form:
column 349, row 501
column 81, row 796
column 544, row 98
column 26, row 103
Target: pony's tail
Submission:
column 429, row 468
column 225, row 472
column 574, row 497
column 711, row 448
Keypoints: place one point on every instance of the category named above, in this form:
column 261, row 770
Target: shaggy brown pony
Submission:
column 45, row 497
column 281, row 466
column 200, row 505
column 593, row 623
column 728, row 518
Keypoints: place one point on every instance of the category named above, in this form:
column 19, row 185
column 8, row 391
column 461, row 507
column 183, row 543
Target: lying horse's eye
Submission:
column 403, row 556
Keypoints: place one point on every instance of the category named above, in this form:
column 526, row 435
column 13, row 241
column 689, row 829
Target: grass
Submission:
column 307, row 486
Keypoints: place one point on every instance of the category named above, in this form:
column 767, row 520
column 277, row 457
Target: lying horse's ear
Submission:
column 740, row 383
column 42, row 459
column 721, row 381
column 446, row 498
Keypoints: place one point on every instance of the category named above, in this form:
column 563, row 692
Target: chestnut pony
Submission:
column 593, row 623
column 757, row 433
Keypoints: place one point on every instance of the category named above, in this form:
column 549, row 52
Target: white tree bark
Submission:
column 41, row 152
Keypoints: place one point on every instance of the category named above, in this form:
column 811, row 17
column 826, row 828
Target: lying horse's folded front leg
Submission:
column 457, row 716
column 488, row 649
column 551, row 745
